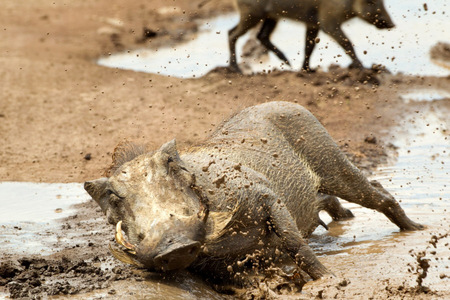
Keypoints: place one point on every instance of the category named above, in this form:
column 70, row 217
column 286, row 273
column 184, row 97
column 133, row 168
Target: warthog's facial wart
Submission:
column 152, row 198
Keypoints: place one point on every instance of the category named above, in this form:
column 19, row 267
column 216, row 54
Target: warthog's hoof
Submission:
column 412, row 226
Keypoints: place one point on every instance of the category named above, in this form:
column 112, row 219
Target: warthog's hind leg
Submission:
column 349, row 184
column 334, row 208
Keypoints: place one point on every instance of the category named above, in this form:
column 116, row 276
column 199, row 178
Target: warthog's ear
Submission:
column 171, row 149
column 123, row 153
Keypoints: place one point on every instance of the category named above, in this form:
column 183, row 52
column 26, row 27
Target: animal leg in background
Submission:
column 310, row 43
column 264, row 35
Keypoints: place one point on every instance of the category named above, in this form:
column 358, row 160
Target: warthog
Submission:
column 257, row 184
column 327, row 15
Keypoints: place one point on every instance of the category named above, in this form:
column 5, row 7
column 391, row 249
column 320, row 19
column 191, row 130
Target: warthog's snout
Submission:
column 96, row 188
column 169, row 254
column 177, row 256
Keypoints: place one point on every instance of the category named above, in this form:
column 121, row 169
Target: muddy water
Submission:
column 403, row 49
column 29, row 214
column 366, row 246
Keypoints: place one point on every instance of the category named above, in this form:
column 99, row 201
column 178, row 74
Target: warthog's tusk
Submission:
column 203, row 213
column 121, row 240
column 124, row 256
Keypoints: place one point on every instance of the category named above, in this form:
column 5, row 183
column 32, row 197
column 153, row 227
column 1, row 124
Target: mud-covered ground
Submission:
column 61, row 116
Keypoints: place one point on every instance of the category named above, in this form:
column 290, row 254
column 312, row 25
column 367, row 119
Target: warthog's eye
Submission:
column 178, row 166
column 113, row 196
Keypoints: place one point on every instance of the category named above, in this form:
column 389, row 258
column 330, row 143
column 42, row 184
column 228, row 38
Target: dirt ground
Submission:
column 61, row 116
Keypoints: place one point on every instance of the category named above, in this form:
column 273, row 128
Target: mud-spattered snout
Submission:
column 177, row 256
column 169, row 255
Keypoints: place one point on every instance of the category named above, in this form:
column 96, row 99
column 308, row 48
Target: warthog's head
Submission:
column 374, row 12
column 153, row 198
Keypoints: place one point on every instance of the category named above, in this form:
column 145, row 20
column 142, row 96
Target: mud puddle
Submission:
column 30, row 212
column 401, row 49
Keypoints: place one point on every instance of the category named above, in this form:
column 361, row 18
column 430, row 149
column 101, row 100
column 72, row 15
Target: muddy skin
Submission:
column 253, row 185
column 325, row 15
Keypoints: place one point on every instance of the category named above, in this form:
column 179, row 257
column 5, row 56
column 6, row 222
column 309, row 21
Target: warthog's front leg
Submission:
column 339, row 36
column 286, row 228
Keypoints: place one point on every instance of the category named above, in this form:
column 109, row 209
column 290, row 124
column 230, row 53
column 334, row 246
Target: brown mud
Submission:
column 61, row 115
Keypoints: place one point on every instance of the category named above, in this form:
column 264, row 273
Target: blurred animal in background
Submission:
column 325, row 15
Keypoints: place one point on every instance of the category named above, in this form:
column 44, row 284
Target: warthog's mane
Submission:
column 124, row 152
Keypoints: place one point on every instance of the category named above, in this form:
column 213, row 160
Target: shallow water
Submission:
column 29, row 214
column 403, row 49
column 419, row 179
column 421, row 95
column 50, row 201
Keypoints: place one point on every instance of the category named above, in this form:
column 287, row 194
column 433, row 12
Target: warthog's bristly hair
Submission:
column 124, row 152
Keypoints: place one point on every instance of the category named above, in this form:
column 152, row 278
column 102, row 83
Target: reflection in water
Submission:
column 400, row 49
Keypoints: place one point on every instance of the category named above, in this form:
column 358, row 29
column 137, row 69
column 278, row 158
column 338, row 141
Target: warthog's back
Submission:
column 283, row 142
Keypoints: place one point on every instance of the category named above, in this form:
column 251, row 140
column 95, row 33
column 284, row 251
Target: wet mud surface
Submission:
column 61, row 116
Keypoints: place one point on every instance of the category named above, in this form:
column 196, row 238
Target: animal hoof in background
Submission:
column 356, row 65
column 234, row 69
column 223, row 71
column 308, row 70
